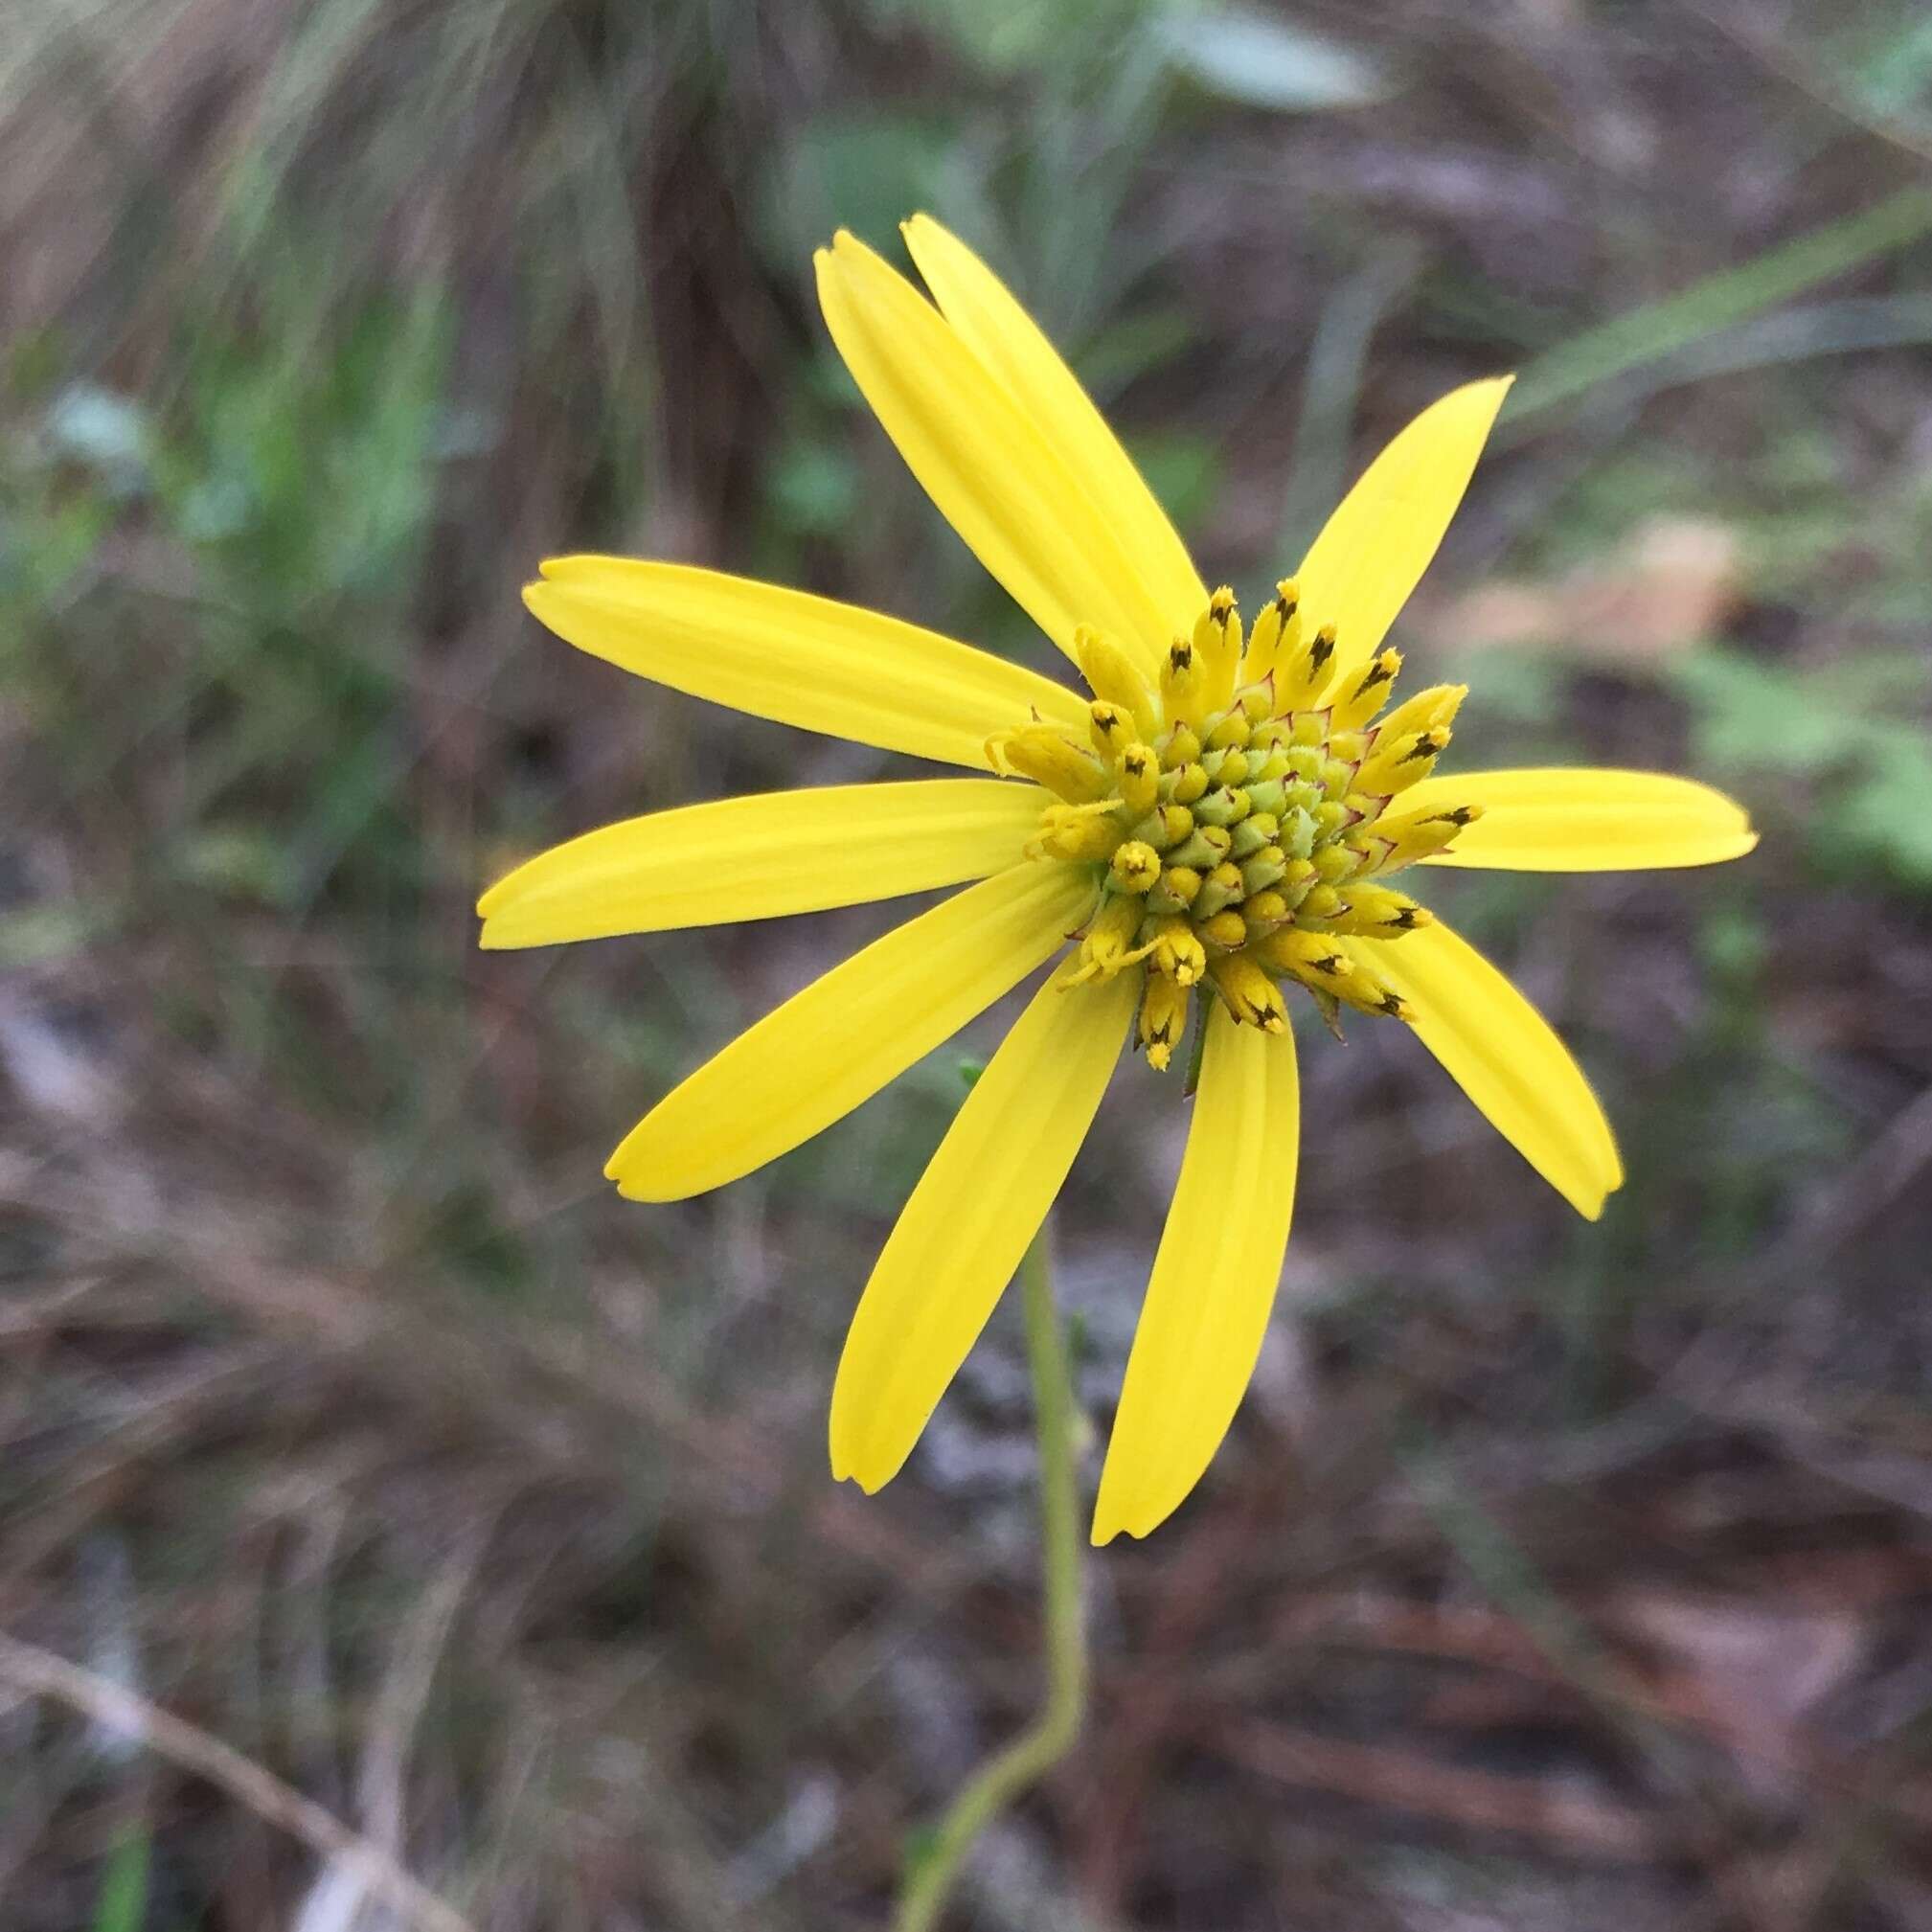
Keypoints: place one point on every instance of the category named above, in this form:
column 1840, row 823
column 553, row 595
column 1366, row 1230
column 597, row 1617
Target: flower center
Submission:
column 1240, row 819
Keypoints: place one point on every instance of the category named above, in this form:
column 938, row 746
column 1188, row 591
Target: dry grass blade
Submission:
column 1478, row 1801
column 38, row 1673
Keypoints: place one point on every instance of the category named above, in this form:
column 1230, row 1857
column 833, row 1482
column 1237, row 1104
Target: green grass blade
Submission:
column 123, row 1904
column 1661, row 329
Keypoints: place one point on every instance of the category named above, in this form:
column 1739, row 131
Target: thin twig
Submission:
column 39, row 1673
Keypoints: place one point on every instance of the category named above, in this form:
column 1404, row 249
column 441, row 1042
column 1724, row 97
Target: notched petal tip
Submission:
column 1111, row 1520
column 498, row 899
column 551, row 593
column 861, row 1452
column 623, row 1169
column 553, row 604
column 633, row 1190
column 1137, row 1517
column 499, row 894
column 637, row 1177
column 869, row 1481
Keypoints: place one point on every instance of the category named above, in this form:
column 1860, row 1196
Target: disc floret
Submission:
column 1241, row 816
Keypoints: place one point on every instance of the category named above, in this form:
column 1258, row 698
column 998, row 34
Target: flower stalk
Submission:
column 1017, row 1767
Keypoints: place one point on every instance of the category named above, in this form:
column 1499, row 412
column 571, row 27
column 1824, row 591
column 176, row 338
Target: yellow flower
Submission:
column 1217, row 826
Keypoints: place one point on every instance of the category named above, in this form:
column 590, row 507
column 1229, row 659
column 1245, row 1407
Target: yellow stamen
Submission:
column 1277, row 635
column 1377, row 911
column 1251, row 996
column 1041, row 753
column 1163, row 1020
column 1436, row 706
column 1110, row 673
column 1183, row 688
column 1369, row 694
column 1110, row 728
column 1178, row 952
column 1140, row 776
column 1108, row 946
column 1402, row 839
column 1136, row 866
column 1078, row 832
column 1300, row 678
column 1325, row 964
column 1405, row 760
column 1217, row 649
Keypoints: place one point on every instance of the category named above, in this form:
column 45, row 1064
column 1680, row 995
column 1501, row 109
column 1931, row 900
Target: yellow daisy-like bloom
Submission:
column 1217, row 826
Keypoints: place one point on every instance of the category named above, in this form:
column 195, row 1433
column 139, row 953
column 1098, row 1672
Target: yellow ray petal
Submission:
column 803, row 660
column 982, row 459
column 1214, row 1280
column 968, row 1221
column 815, row 1058
column 762, row 856
column 991, row 323
column 1373, row 550
column 1503, row 1054
column 1592, row 820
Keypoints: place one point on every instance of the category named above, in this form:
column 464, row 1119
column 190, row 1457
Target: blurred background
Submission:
column 1553, row 1576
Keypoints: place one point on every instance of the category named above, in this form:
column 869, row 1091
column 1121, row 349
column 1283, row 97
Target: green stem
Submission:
column 1017, row 1766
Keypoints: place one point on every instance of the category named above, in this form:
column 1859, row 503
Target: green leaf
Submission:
column 1888, row 811
column 1853, row 730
